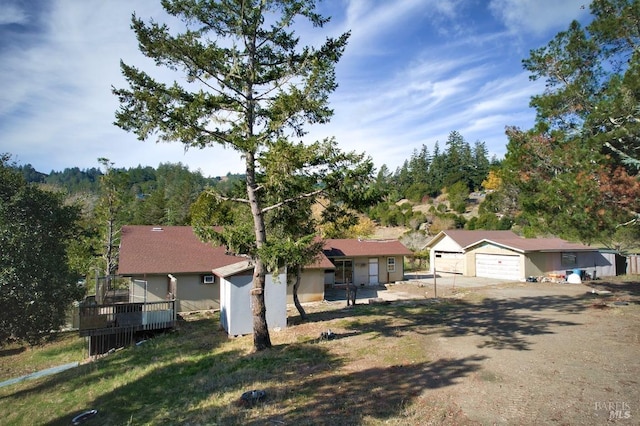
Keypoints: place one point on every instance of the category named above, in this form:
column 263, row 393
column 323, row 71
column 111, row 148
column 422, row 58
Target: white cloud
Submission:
column 442, row 89
column 12, row 14
column 371, row 22
column 538, row 16
column 402, row 84
column 503, row 93
column 57, row 107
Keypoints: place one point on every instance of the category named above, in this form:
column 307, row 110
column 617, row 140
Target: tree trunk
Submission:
column 296, row 301
column 261, row 339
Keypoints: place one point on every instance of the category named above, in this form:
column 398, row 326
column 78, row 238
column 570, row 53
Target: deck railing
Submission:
column 115, row 318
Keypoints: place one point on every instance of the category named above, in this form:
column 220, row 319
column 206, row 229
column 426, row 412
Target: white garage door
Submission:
column 498, row 266
column 449, row 262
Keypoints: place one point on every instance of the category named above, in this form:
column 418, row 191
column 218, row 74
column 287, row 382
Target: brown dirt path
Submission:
column 526, row 353
column 549, row 354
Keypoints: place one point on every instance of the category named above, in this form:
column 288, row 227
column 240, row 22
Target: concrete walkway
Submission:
column 452, row 280
column 41, row 373
column 443, row 281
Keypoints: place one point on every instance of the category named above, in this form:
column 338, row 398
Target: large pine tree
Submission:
column 249, row 84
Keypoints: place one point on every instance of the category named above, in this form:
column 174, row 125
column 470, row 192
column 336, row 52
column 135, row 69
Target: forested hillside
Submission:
column 160, row 196
column 429, row 192
column 442, row 180
column 163, row 195
column 439, row 190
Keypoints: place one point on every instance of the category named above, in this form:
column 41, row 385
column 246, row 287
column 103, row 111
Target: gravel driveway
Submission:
column 546, row 353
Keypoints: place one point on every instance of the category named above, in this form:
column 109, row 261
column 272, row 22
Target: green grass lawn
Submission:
column 61, row 348
column 196, row 374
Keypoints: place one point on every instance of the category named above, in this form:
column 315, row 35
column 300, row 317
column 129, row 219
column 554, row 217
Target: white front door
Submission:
column 373, row 270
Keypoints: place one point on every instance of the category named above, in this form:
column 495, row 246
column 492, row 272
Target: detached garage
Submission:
column 504, row 255
column 447, row 249
column 518, row 258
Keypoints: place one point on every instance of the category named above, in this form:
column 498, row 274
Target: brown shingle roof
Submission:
column 176, row 249
column 526, row 245
column 467, row 239
column 350, row 247
column 168, row 249
column 322, row 262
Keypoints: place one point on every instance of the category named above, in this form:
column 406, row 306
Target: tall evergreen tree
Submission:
column 480, row 165
column 384, row 182
column 402, row 177
column 248, row 83
column 437, row 171
column 419, row 165
column 456, row 157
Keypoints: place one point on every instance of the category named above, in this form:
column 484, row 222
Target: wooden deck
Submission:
column 117, row 318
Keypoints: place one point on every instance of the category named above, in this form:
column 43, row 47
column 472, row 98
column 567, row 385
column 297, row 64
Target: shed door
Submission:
column 449, row 262
column 498, row 266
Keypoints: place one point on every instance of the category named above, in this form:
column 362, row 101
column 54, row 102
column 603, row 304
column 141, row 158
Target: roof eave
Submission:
column 519, row 250
column 233, row 269
column 435, row 239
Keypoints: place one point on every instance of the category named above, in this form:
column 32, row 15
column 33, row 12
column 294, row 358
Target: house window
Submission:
column 208, row 279
column 344, row 271
column 569, row 259
column 391, row 264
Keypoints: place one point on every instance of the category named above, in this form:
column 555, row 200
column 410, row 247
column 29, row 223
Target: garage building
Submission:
column 505, row 255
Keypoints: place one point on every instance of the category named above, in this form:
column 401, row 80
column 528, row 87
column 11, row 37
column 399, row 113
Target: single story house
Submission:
column 171, row 262
column 365, row 262
column 505, row 255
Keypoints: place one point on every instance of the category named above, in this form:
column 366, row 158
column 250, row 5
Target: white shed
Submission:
column 235, row 298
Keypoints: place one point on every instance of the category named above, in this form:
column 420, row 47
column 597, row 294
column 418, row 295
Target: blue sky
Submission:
column 414, row 71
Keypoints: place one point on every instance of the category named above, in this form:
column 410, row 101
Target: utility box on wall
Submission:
column 236, row 315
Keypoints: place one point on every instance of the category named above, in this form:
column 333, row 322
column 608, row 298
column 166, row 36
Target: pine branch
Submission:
column 292, row 199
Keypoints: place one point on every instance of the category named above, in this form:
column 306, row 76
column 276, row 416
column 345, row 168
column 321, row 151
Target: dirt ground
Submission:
column 534, row 353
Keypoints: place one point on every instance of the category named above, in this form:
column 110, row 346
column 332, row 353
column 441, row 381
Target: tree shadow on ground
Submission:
column 168, row 394
column 12, row 351
column 305, row 384
column 194, row 336
column 158, row 396
column 505, row 324
column 350, row 397
column 630, row 288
